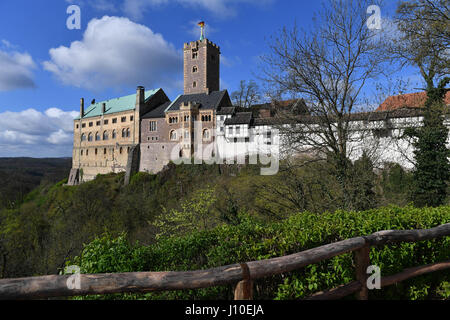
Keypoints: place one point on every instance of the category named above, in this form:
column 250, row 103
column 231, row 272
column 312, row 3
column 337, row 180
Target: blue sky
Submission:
column 45, row 68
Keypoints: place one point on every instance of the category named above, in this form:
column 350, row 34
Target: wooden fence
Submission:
column 241, row 275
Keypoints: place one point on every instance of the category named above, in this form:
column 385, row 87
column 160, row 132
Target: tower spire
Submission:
column 202, row 28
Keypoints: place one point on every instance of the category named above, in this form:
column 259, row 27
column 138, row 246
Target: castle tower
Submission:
column 201, row 66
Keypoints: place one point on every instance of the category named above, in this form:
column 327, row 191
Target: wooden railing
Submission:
column 242, row 275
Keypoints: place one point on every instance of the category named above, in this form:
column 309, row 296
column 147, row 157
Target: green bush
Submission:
column 255, row 240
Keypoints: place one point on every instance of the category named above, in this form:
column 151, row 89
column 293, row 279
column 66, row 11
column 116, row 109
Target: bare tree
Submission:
column 247, row 95
column 328, row 67
column 424, row 42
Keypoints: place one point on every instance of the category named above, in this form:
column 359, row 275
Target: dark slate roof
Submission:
column 226, row 111
column 240, row 118
column 206, row 101
column 158, row 112
column 362, row 116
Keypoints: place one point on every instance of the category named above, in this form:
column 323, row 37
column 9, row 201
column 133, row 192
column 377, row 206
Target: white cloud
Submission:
column 114, row 52
column 222, row 8
column 16, row 68
column 33, row 133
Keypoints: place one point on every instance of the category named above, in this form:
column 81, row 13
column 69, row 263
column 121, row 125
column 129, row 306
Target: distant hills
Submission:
column 19, row 176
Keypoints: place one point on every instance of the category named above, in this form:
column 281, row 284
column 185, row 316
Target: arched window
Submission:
column 194, row 85
column 90, row 137
column 206, row 134
column 128, row 132
column 203, row 118
column 173, row 135
column 81, row 152
column 114, row 134
column 181, row 153
column 124, row 132
column 120, row 150
column 83, row 137
column 209, row 118
column 194, row 69
column 105, row 135
column 97, row 136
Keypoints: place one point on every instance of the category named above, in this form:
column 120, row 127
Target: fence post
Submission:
column 244, row 288
column 362, row 260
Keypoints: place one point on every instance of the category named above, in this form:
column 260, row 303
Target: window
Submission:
column 194, row 85
column 104, row 151
column 222, row 129
column 230, row 130
column 206, row 135
column 114, row 134
column 209, row 118
column 173, row 135
column 194, row 54
column 124, row 132
column 83, row 125
column 123, row 119
column 81, row 152
column 120, row 150
column 98, row 123
column 97, row 136
column 247, row 140
column 222, row 118
column 105, row 135
column 83, row 137
column 105, row 122
column 90, row 137
column 238, row 130
column 114, row 120
column 91, row 124
column 128, row 132
column 235, row 140
column 131, row 118
column 77, row 126
column 194, row 69
column 96, row 151
column 87, row 152
column 153, row 126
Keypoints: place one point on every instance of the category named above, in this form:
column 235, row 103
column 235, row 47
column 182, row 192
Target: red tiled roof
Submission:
column 409, row 100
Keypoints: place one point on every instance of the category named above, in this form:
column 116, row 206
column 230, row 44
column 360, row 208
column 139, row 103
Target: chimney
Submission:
column 104, row 108
column 93, row 101
column 140, row 99
column 140, row 95
column 81, row 107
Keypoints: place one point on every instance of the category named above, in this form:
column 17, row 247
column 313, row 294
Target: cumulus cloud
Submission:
column 223, row 8
column 115, row 51
column 32, row 133
column 16, row 68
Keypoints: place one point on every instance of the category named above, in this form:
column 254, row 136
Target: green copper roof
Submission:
column 115, row 105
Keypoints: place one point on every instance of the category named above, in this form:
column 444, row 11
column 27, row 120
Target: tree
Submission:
column 195, row 214
column 424, row 43
column 247, row 95
column 328, row 67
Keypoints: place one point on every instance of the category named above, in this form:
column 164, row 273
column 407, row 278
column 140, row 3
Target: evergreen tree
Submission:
column 432, row 171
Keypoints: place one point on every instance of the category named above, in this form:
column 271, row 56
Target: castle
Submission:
column 145, row 131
